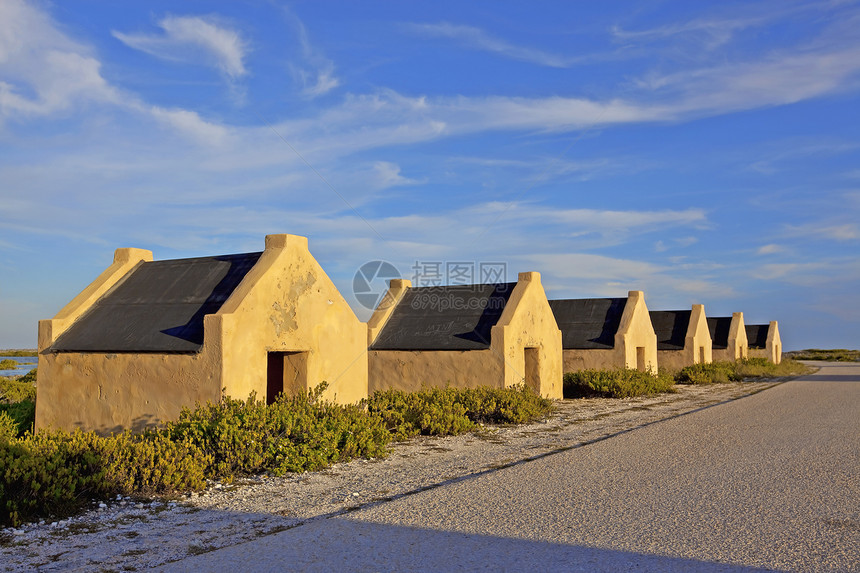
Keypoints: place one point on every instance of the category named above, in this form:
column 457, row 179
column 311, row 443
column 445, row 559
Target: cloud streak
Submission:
column 478, row 39
column 193, row 39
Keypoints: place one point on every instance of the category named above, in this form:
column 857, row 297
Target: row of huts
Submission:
column 147, row 338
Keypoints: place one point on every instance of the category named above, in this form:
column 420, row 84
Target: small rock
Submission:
column 355, row 494
column 102, row 505
column 18, row 532
column 138, row 506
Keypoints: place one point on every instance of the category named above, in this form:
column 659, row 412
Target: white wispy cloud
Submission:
column 42, row 71
column 315, row 72
column 478, row 39
column 194, row 39
column 833, row 230
column 770, row 249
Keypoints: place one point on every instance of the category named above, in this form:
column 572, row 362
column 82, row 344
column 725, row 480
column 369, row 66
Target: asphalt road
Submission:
column 767, row 482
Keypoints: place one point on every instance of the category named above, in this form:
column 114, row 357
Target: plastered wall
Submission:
column 412, row 370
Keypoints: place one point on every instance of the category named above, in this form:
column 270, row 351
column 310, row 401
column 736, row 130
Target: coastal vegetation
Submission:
column 833, row 355
column 56, row 473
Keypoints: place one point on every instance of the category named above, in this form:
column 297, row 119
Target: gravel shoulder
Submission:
column 133, row 535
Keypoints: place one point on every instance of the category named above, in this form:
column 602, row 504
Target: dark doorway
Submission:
column 286, row 373
column 532, row 367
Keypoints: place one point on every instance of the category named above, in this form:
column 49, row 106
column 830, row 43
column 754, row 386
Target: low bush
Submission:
column 293, row 434
column 450, row 411
column 17, row 389
column 8, row 364
column 713, row 372
column 615, row 383
column 23, row 414
column 749, row 368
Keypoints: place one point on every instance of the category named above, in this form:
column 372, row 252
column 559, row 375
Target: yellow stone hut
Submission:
column 601, row 333
column 764, row 341
column 149, row 337
column 683, row 338
column 728, row 337
column 465, row 336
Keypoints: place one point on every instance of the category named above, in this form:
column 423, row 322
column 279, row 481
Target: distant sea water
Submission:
column 25, row 364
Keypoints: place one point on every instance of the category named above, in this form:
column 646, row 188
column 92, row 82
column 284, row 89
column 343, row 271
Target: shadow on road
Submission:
column 347, row 544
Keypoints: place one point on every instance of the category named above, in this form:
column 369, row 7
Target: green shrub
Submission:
column 22, row 413
column 56, row 473
column 29, row 378
column 749, row 368
column 714, row 372
column 449, row 411
column 8, row 364
column 17, row 390
column 293, row 434
column 615, row 383
column 8, row 428
column 8, row 352
column 45, row 476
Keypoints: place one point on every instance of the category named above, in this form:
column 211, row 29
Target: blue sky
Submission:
column 701, row 152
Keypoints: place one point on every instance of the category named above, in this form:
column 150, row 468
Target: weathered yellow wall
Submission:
column 526, row 322
column 737, row 347
column 576, row 359
column 698, row 337
column 111, row 392
column 288, row 303
column 412, row 370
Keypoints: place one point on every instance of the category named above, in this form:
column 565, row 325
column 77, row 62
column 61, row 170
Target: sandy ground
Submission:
column 129, row 535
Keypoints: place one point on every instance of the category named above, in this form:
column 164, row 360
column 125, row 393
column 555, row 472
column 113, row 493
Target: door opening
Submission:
column 701, row 355
column 286, row 373
column 532, row 367
column 640, row 358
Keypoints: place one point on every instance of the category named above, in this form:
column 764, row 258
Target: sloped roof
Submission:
column 158, row 306
column 587, row 323
column 670, row 326
column 457, row 317
column 719, row 328
column 757, row 335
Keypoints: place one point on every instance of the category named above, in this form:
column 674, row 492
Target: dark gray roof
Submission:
column 719, row 328
column 670, row 327
column 457, row 317
column 158, row 306
column 757, row 335
column 588, row 322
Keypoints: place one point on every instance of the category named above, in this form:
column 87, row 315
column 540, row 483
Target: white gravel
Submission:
column 133, row 535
